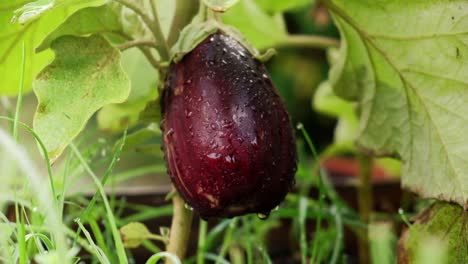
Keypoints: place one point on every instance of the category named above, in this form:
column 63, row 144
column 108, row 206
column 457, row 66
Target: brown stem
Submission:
column 180, row 228
column 365, row 201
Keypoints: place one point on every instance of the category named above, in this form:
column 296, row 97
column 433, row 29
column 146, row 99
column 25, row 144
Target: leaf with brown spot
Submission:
column 85, row 75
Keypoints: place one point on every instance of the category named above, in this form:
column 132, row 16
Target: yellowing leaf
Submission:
column 85, row 75
column 405, row 62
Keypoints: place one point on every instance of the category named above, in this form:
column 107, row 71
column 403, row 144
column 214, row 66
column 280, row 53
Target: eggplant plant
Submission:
column 198, row 70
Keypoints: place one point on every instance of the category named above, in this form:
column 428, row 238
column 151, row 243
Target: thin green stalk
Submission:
column 153, row 26
column 164, row 51
column 110, row 216
column 303, row 204
column 226, row 241
column 185, row 10
column 108, row 171
column 19, row 102
column 150, row 246
column 321, row 187
column 43, row 150
column 19, row 218
column 95, row 249
column 98, row 236
column 77, row 239
column 339, row 236
column 21, row 237
column 307, row 41
column 365, row 201
column 202, row 229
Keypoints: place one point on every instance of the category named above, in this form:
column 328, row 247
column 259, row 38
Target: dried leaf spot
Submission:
column 42, row 108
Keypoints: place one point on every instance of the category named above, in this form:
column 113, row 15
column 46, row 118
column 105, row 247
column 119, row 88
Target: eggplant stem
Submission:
column 180, row 229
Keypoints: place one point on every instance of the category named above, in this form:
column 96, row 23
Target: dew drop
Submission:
column 214, row 155
column 254, row 142
column 263, row 216
column 265, row 76
column 230, row 158
column 188, row 207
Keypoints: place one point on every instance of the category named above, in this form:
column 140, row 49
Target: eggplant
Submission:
column 228, row 140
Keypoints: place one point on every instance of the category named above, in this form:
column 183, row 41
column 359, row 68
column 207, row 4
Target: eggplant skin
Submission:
column 228, row 139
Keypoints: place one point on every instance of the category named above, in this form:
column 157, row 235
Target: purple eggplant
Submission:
column 228, row 139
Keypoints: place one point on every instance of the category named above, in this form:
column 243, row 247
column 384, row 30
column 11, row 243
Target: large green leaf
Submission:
column 85, row 75
column 91, row 20
column 406, row 64
column 43, row 18
column 261, row 29
column 144, row 79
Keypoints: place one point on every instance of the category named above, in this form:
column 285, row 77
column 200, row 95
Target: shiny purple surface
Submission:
column 228, row 140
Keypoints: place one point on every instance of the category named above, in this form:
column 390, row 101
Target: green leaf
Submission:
column 408, row 70
column 259, row 28
column 326, row 102
column 34, row 10
column 144, row 79
column 220, row 5
column 12, row 36
column 91, row 20
column 275, row 6
column 133, row 24
column 133, row 234
column 140, row 136
column 85, row 75
column 439, row 235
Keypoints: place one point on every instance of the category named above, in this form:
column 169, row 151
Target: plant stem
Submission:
column 185, row 10
column 365, row 202
column 158, row 34
column 137, row 43
column 308, row 41
column 202, row 228
column 19, row 101
column 145, row 50
column 153, row 26
column 180, row 228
